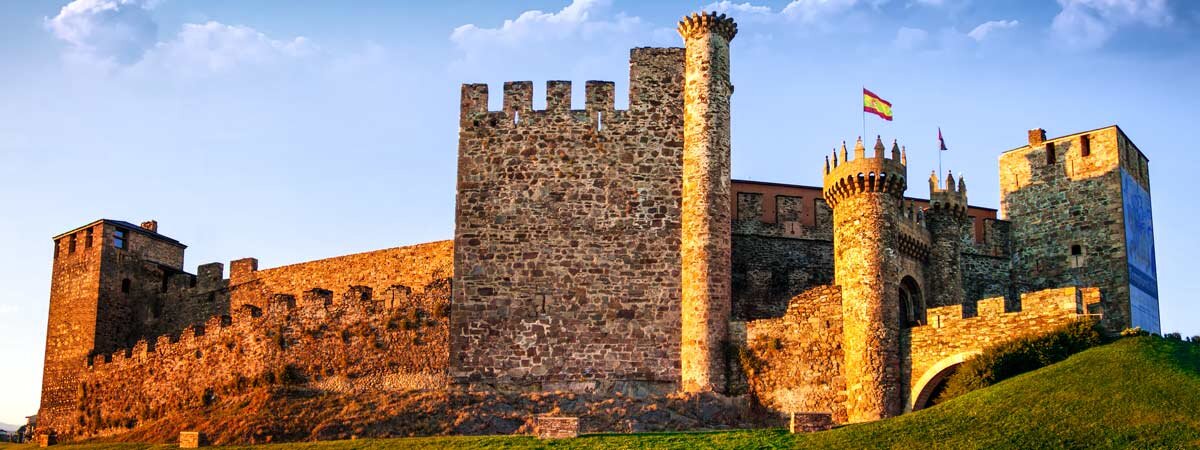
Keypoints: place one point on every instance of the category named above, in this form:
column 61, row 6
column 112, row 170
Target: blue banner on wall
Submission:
column 1139, row 246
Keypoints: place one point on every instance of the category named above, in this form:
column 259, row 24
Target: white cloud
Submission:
column 122, row 33
column 216, row 47
column 802, row 11
column 982, row 31
column 580, row 19
column 910, row 38
column 1091, row 23
column 585, row 32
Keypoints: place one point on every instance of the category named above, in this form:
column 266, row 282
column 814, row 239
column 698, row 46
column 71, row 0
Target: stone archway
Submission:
column 932, row 380
column 912, row 303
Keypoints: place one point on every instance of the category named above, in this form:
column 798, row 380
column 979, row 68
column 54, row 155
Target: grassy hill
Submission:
column 1136, row 393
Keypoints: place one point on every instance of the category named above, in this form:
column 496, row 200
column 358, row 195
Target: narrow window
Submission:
column 119, row 237
column 1085, row 145
column 1049, row 153
column 87, row 242
column 71, row 244
column 125, row 286
column 1076, row 256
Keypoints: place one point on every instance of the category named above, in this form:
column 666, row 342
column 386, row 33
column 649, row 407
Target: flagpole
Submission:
column 864, row 117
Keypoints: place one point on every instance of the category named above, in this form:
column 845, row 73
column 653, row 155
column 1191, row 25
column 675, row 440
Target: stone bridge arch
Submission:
column 933, row 378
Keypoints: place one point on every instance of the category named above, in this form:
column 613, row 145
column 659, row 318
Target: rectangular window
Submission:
column 1085, row 145
column 1049, row 153
column 71, row 244
column 119, row 237
column 57, row 246
column 87, row 241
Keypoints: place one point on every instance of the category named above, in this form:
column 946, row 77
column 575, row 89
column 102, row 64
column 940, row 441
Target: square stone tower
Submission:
column 1080, row 208
column 98, row 301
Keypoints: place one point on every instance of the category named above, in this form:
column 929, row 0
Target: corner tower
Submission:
column 946, row 220
column 706, row 222
column 866, row 195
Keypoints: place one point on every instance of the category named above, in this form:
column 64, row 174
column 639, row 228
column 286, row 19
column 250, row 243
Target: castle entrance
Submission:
column 925, row 392
column 912, row 304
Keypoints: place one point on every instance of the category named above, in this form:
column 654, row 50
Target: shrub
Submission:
column 1134, row 332
column 1021, row 355
column 1174, row 336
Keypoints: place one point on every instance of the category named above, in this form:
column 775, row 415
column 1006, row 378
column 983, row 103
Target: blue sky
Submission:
column 291, row 132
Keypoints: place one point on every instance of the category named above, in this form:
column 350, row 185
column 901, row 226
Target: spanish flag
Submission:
column 877, row 106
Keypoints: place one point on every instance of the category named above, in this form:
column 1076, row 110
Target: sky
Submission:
column 307, row 129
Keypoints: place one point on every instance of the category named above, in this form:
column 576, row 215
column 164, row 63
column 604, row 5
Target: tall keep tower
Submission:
column 706, row 226
column 866, row 195
column 946, row 220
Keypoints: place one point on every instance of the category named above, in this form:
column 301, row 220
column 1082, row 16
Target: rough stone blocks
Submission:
column 190, row 439
column 549, row 427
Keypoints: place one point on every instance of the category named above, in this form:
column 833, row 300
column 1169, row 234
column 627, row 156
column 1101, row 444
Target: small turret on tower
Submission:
column 947, row 221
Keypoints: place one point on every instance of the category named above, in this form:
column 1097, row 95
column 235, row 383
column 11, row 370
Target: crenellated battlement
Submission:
column 846, row 177
column 517, row 108
column 950, row 196
column 699, row 23
column 1069, row 302
column 317, row 307
column 649, row 93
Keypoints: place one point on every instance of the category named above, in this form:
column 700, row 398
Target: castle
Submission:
column 607, row 250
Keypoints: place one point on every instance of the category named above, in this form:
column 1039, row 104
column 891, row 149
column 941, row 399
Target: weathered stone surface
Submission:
column 190, row 439
column 550, row 427
column 706, row 219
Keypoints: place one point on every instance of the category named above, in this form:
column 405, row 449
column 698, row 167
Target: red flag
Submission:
column 941, row 142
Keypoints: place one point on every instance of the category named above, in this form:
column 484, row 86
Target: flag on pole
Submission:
column 877, row 106
column 941, row 142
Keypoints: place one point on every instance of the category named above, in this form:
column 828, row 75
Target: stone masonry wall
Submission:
column 801, row 351
column 1065, row 200
column 387, row 272
column 928, row 351
column 346, row 341
column 768, row 271
column 587, row 289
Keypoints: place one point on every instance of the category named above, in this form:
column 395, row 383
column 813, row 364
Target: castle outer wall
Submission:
column 587, row 289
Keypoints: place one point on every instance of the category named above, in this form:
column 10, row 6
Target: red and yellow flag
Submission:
column 877, row 106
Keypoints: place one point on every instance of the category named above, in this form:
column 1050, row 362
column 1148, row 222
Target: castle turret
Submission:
column 946, row 220
column 866, row 195
column 706, row 221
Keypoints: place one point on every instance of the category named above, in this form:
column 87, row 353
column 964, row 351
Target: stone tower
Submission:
column 1081, row 216
column 946, row 220
column 96, row 290
column 706, row 222
column 866, row 195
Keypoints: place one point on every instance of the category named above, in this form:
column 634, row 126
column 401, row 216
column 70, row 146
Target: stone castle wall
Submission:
column 389, row 273
column 800, row 351
column 341, row 341
column 586, row 288
column 929, row 351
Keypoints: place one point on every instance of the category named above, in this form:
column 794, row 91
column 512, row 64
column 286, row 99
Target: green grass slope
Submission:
column 1135, row 393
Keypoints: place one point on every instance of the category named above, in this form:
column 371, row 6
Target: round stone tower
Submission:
column 947, row 222
column 866, row 196
column 706, row 221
